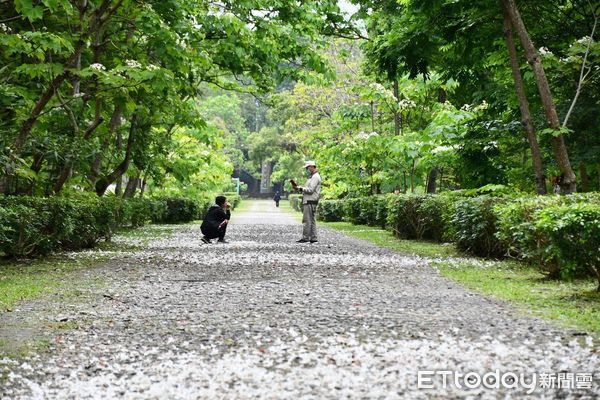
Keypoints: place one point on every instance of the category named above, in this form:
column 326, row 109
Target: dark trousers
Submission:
column 276, row 203
column 213, row 233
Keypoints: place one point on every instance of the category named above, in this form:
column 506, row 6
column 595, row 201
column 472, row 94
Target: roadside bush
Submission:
column 381, row 210
column 415, row 217
column 537, row 229
column 94, row 218
column 5, row 229
column 358, row 210
column 24, row 229
column 474, row 221
column 31, row 226
column 139, row 211
column 560, row 234
column 295, row 201
column 435, row 212
column 330, row 210
column 40, row 225
column 573, row 234
column 233, row 198
column 178, row 210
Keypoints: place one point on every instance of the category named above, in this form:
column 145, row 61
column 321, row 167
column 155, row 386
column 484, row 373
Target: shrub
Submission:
column 529, row 226
column 233, row 198
column 356, row 210
column 330, row 210
column 94, row 219
column 381, row 211
column 24, row 229
column 516, row 226
column 435, row 212
column 35, row 225
column 407, row 217
column 474, row 221
column 295, row 201
column 31, row 226
column 561, row 234
column 572, row 232
column 139, row 211
column 178, row 210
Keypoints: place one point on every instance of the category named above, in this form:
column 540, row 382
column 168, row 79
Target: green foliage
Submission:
column 33, row 226
column 178, row 210
column 573, row 236
column 295, row 201
column 330, row 210
column 110, row 90
column 475, row 223
column 233, row 198
column 139, row 211
column 420, row 216
column 557, row 233
column 37, row 226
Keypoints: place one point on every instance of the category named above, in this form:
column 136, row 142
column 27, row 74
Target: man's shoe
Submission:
column 222, row 241
column 314, row 241
column 303, row 241
column 205, row 240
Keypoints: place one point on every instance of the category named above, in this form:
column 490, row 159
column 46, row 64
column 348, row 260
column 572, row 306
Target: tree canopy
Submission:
column 412, row 95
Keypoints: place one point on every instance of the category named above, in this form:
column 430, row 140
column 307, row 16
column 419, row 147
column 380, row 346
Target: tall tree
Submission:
column 568, row 181
column 527, row 121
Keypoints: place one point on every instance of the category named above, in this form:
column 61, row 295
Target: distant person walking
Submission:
column 311, row 191
column 215, row 222
column 277, row 198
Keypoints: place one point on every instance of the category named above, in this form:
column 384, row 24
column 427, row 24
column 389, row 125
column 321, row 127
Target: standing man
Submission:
column 215, row 222
column 310, row 198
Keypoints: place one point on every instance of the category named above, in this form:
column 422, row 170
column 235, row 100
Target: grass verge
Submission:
column 573, row 304
column 29, row 279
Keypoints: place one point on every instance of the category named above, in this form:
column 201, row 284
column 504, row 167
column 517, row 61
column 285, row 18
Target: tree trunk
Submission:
column 526, row 120
column 132, row 186
column 265, row 177
column 36, row 167
column 432, row 180
column 103, row 183
column 372, row 116
column 397, row 115
column 63, row 176
column 568, row 182
column 113, row 125
column 119, row 186
column 412, row 176
column 143, row 188
column 585, row 179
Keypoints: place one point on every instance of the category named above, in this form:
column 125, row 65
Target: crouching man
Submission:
column 215, row 222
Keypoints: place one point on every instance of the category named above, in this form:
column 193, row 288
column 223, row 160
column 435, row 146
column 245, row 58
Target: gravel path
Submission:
column 265, row 317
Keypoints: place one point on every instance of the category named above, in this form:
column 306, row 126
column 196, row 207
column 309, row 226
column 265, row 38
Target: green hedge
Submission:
column 233, row 198
column 330, row 210
column 295, row 201
column 31, row 226
column 475, row 224
column 560, row 234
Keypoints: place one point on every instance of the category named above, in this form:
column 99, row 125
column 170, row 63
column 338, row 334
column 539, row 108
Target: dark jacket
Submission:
column 277, row 196
column 214, row 217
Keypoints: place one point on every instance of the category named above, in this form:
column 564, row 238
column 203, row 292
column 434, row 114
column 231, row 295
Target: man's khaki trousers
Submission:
column 309, row 212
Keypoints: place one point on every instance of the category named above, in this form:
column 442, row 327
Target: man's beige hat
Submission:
column 310, row 164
